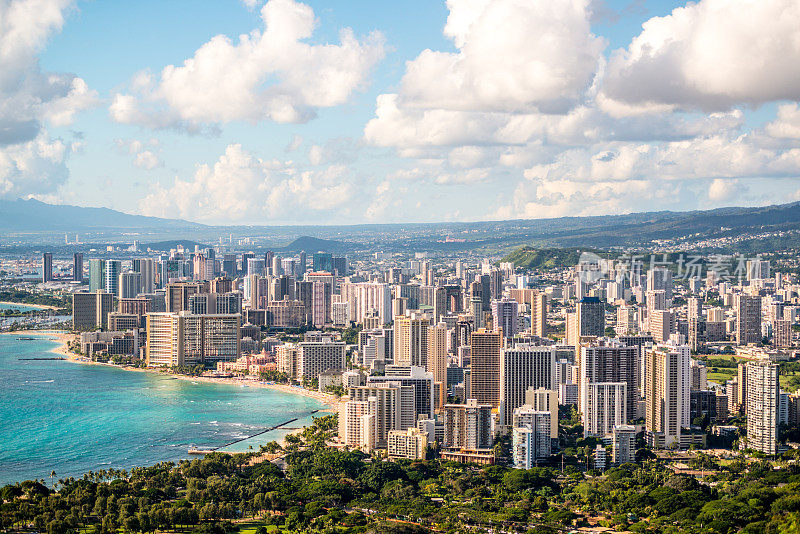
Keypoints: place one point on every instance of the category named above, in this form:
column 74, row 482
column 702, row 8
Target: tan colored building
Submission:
column 468, row 425
column 537, row 302
column 411, row 444
column 437, row 352
column 411, row 340
column 288, row 360
column 667, row 392
column 485, row 366
column 357, row 423
column 186, row 339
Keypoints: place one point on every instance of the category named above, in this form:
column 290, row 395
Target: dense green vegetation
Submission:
column 41, row 299
column 320, row 489
column 545, row 258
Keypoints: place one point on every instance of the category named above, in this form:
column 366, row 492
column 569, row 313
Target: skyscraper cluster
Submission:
column 458, row 353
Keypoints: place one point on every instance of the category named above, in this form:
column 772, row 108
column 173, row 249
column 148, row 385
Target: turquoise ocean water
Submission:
column 74, row 418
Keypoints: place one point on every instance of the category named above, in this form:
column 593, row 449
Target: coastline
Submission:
column 36, row 306
column 331, row 402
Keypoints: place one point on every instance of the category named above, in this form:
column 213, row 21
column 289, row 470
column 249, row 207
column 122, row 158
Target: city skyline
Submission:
column 425, row 113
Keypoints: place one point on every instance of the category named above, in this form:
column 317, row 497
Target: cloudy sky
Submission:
column 347, row 111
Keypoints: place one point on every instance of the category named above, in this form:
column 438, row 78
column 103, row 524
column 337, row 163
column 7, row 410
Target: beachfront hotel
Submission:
column 186, row 339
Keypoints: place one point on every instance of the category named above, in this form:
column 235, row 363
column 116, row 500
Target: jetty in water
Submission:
column 209, row 450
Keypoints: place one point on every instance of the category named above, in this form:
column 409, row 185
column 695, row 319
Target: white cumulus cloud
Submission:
column 513, row 55
column 242, row 187
column 269, row 74
column 709, row 55
column 31, row 99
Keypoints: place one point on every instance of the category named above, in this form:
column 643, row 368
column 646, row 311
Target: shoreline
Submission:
column 35, row 306
column 330, row 402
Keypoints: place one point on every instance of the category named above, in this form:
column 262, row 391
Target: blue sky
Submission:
column 528, row 109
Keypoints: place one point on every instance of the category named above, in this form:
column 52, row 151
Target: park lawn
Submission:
column 790, row 382
column 250, row 528
column 721, row 375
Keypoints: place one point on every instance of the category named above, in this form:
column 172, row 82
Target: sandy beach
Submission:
column 331, row 401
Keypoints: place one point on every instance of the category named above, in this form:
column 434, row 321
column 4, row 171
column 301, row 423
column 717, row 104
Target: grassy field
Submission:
column 251, row 527
column 721, row 376
column 718, row 366
column 790, row 382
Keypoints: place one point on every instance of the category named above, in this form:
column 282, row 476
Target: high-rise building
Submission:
column 660, row 278
column 523, row 367
column 411, row 340
column 589, row 320
column 175, row 339
column 694, row 307
column 135, row 306
column 757, row 269
column 697, row 333
column 544, row 400
column 368, row 299
column 393, row 409
column 77, row 267
column 667, row 393
column 178, row 293
column 468, row 426
column 662, row 325
column 437, row 357
column 624, row 444
column 357, row 423
column 221, row 284
column 47, row 266
column 485, row 367
column 288, row 360
column 229, row 265
column 610, row 360
column 748, row 319
column 763, row 395
column 321, row 297
column 340, row 266
column 322, row 261
column 130, row 285
column 318, row 356
column 603, row 407
column 415, row 377
column 90, row 310
column 539, row 314
column 781, row 333
column 505, row 317
column 146, row 267
column 97, row 274
column 113, row 268
column 531, row 440
column 626, row 320
column 699, row 376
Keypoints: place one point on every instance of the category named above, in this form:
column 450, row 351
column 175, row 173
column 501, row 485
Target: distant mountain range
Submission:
column 31, row 215
column 28, row 218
